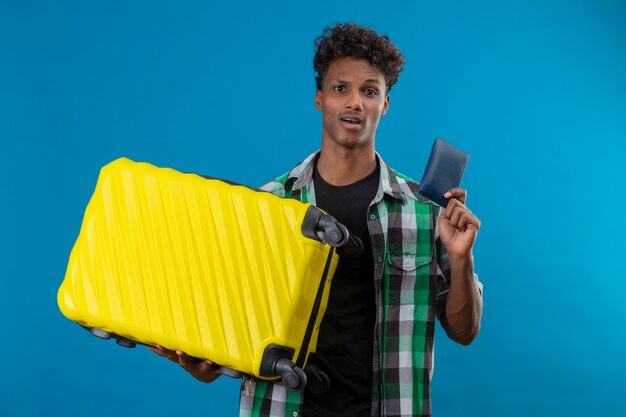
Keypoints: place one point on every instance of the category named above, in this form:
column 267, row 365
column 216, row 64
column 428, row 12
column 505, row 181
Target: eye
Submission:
column 339, row 88
column 370, row 92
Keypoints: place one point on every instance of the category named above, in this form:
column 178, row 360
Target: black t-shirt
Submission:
column 345, row 342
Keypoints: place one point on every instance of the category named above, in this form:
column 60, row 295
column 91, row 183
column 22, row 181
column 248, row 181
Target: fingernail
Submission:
column 179, row 352
column 447, row 194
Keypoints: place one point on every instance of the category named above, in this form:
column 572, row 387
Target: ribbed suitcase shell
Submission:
column 217, row 270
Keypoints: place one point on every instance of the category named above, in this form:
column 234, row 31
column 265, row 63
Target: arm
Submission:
column 205, row 371
column 458, row 228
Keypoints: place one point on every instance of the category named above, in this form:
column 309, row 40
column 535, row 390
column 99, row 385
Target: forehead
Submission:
column 354, row 70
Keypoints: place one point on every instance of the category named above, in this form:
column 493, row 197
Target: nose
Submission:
column 354, row 101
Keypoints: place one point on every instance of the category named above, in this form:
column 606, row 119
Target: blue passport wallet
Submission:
column 444, row 171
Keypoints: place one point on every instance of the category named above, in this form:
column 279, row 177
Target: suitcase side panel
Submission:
column 151, row 264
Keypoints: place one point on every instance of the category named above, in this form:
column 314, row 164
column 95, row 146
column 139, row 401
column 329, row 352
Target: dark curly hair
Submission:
column 352, row 40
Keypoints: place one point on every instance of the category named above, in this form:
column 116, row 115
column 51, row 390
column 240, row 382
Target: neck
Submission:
column 343, row 166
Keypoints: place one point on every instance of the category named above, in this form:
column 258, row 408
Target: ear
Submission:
column 318, row 100
column 385, row 106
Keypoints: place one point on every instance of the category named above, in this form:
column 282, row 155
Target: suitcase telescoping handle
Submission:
column 325, row 228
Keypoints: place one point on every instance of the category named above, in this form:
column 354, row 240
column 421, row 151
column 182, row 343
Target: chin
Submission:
column 350, row 140
column 354, row 143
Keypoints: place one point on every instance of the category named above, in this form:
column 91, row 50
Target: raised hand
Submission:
column 458, row 226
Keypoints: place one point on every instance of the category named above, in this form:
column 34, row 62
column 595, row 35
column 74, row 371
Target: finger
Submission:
column 452, row 204
column 447, row 212
column 166, row 353
column 170, row 354
column 464, row 220
column 210, row 362
column 206, row 368
column 203, row 366
column 470, row 221
column 183, row 359
column 473, row 222
column 454, row 213
column 458, row 193
column 164, row 349
column 206, row 371
column 455, row 217
column 156, row 350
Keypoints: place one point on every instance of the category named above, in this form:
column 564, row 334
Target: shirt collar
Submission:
column 302, row 176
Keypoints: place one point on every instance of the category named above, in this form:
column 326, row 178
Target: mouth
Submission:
column 351, row 122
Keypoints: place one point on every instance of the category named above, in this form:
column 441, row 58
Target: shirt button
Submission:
column 380, row 259
column 372, row 216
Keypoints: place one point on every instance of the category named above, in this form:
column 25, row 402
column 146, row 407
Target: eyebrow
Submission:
column 369, row 80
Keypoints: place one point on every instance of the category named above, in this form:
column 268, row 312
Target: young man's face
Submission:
column 352, row 99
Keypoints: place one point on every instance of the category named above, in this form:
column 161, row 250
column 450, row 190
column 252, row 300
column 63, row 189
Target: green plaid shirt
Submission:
column 410, row 264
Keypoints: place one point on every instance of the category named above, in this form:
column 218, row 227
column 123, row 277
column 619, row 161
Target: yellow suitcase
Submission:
column 220, row 271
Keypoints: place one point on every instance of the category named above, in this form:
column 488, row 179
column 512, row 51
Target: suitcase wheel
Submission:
column 293, row 377
column 102, row 334
column 318, row 380
column 125, row 342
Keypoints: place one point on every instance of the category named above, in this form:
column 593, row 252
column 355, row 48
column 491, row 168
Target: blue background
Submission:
column 535, row 91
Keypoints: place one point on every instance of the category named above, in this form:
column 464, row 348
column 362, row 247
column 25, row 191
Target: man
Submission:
column 376, row 338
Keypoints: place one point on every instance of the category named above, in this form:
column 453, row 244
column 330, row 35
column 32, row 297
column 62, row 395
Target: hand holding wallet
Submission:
column 444, row 171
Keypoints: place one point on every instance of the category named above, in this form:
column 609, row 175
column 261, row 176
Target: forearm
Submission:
column 464, row 306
